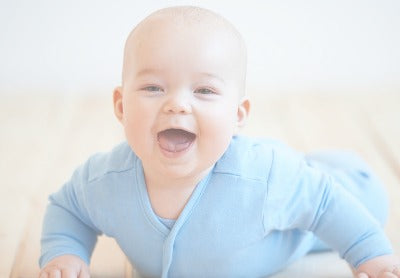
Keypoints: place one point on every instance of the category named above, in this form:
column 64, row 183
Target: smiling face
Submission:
column 181, row 98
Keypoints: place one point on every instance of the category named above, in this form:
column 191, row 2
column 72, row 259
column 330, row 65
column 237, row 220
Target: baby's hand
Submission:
column 65, row 266
column 387, row 266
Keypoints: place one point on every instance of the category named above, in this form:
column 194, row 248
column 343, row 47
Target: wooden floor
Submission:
column 43, row 138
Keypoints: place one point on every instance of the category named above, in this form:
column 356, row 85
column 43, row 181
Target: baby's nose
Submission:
column 178, row 103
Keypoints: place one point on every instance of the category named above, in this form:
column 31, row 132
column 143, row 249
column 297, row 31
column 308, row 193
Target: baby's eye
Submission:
column 204, row 91
column 152, row 89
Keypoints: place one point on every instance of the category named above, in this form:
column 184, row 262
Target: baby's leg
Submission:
column 350, row 171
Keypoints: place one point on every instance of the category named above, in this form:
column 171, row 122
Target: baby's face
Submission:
column 181, row 99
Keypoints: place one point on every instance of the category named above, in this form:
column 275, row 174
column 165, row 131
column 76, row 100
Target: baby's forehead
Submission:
column 176, row 26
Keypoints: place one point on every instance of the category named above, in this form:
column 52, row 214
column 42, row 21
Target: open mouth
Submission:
column 175, row 140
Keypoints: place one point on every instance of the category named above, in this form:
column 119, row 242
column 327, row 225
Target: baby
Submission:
column 185, row 196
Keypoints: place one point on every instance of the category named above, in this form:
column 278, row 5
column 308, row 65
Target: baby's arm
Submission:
column 65, row 266
column 386, row 266
column 330, row 212
column 68, row 234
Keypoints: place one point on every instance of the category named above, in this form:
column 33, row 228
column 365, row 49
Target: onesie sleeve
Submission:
column 67, row 226
column 301, row 197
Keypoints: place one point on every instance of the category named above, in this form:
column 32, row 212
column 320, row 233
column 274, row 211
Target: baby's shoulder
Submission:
column 254, row 158
column 118, row 160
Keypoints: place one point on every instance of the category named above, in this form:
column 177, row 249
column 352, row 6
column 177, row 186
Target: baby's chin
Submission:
column 190, row 169
column 185, row 172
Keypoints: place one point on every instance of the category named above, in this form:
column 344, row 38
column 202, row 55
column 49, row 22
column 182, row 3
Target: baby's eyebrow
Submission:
column 155, row 71
column 148, row 71
column 211, row 75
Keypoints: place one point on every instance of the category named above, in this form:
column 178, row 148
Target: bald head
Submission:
column 176, row 27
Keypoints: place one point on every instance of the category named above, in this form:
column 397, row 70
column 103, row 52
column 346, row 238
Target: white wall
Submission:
column 294, row 46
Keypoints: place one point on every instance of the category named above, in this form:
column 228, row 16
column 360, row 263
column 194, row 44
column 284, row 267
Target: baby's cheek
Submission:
column 136, row 135
column 217, row 141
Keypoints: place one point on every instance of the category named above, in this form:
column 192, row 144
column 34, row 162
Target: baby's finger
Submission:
column 43, row 274
column 396, row 270
column 84, row 274
column 67, row 273
column 362, row 275
column 54, row 273
column 387, row 274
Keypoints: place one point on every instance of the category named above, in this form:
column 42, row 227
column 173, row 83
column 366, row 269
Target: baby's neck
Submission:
column 168, row 197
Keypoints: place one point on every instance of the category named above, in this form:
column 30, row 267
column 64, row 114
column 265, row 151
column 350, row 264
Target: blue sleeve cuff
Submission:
column 361, row 251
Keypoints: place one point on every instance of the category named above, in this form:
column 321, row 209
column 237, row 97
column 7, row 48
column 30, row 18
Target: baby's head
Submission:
column 182, row 94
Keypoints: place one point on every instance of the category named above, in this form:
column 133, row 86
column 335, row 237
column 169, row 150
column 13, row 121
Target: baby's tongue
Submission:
column 175, row 140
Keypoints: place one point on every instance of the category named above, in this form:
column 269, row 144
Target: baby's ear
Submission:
column 243, row 112
column 118, row 107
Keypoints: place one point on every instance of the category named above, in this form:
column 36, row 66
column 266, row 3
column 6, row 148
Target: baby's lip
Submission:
column 181, row 129
column 177, row 131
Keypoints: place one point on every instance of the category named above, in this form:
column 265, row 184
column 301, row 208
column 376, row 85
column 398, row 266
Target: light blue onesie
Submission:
column 261, row 207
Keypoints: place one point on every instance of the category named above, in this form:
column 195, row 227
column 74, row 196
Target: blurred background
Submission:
column 76, row 46
column 321, row 74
